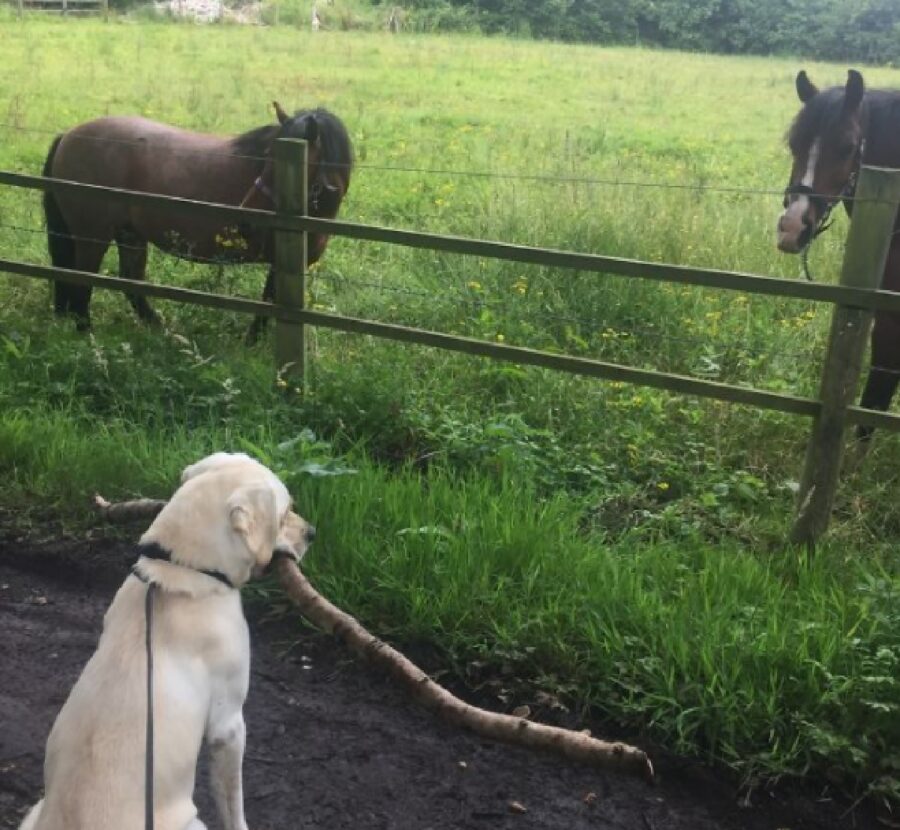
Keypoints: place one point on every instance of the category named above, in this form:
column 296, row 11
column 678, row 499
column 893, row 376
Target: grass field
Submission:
column 618, row 545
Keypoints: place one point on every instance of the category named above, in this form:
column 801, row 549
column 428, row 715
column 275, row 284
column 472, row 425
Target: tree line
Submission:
column 840, row 30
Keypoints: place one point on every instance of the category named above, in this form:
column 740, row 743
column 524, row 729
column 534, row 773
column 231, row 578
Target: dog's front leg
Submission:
column 226, row 746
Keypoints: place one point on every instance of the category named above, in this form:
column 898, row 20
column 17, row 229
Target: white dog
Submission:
column 222, row 525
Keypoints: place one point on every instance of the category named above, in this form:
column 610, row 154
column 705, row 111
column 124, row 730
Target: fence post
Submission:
column 290, row 253
column 868, row 243
column 106, row 11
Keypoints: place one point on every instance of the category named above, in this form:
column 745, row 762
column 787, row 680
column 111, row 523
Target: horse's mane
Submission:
column 256, row 142
column 337, row 150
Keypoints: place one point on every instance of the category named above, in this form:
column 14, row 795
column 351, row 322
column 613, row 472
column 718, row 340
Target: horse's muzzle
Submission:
column 794, row 232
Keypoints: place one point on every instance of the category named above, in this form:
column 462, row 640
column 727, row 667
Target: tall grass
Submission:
column 620, row 546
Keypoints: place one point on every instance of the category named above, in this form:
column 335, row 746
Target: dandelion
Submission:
column 500, row 338
column 663, row 485
column 475, row 286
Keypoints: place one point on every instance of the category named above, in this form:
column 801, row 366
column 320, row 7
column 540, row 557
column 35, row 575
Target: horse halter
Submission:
column 318, row 188
column 259, row 186
column 824, row 204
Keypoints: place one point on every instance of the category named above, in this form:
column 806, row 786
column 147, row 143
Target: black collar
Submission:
column 153, row 550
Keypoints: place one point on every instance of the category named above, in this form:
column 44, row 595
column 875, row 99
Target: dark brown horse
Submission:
column 836, row 131
column 137, row 154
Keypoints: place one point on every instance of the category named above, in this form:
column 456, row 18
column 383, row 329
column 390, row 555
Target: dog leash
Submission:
column 148, row 751
column 152, row 550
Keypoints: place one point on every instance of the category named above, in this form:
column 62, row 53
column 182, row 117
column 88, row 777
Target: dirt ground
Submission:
column 333, row 745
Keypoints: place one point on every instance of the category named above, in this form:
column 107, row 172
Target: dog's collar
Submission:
column 153, row 550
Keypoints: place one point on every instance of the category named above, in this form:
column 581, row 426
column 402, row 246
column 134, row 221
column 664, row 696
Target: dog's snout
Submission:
column 310, row 533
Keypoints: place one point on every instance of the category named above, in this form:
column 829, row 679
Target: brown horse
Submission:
column 137, row 154
column 835, row 132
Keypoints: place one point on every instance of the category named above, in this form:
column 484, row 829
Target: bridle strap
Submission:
column 825, row 204
column 259, row 186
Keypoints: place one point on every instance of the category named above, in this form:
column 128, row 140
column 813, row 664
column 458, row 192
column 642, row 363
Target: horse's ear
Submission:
column 854, row 91
column 282, row 116
column 806, row 89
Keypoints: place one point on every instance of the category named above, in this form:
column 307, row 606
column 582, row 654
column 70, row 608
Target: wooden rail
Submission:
column 65, row 7
column 547, row 257
column 855, row 299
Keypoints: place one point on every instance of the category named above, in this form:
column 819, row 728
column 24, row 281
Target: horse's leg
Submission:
column 133, row 266
column 88, row 257
column 884, row 374
column 258, row 326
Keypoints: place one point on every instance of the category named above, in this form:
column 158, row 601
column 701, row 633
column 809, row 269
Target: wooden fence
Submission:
column 65, row 7
column 855, row 299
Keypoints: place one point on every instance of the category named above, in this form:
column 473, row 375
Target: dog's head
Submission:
column 231, row 514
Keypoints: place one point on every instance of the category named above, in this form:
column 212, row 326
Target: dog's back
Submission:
column 94, row 769
column 222, row 525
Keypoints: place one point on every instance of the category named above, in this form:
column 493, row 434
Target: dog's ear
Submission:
column 251, row 513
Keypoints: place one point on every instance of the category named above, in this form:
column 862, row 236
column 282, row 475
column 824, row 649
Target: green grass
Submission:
column 620, row 545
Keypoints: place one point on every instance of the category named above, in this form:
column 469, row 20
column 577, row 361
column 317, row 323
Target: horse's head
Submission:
column 827, row 144
column 330, row 157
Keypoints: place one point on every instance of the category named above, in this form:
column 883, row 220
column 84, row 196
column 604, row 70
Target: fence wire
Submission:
column 539, row 178
column 619, row 330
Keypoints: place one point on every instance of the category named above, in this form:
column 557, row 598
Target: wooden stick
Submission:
column 123, row 512
column 576, row 746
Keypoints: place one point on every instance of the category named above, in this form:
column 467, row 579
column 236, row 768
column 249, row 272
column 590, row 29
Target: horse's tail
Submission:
column 59, row 238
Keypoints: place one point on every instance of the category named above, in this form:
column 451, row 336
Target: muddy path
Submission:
column 332, row 745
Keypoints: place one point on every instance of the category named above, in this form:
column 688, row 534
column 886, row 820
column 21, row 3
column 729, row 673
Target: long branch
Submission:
column 574, row 745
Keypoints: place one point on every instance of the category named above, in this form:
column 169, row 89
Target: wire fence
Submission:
column 560, row 180
column 615, row 329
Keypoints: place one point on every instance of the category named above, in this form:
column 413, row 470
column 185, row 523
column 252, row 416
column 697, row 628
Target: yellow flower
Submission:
column 500, row 338
column 475, row 286
column 663, row 485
